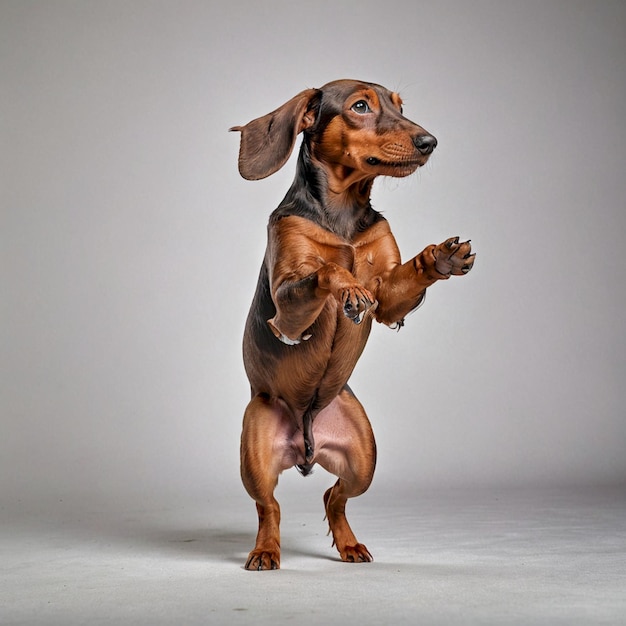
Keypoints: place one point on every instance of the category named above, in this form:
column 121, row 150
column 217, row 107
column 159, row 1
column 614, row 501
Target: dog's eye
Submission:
column 361, row 107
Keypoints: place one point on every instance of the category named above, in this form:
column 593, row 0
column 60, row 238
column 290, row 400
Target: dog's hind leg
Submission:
column 265, row 452
column 346, row 448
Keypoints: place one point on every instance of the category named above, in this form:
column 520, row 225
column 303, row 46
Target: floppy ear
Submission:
column 267, row 142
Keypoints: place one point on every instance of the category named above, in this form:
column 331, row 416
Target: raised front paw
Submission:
column 453, row 258
column 356, row 301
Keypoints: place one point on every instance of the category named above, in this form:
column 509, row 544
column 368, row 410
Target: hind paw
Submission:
column 263, row 560
column 356, row 554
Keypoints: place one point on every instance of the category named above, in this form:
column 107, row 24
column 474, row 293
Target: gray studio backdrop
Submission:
column 130, row 245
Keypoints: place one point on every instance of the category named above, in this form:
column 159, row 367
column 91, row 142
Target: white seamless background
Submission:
column 130, row 246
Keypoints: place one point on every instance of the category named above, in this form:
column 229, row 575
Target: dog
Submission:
column 331, row 267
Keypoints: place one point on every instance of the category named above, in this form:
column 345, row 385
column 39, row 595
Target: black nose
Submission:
column 425, row 143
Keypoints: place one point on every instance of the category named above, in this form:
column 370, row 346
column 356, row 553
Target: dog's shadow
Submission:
column 170, row 540
column 216, row 544
column 223, row 545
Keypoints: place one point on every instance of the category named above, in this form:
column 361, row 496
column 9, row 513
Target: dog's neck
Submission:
column 340, row 199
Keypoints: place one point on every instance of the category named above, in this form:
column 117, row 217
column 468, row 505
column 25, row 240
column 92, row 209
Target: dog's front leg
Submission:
column 403, row 288
column 300, row 302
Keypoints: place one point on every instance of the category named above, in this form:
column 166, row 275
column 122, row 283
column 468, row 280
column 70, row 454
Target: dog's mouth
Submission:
column 396, row 168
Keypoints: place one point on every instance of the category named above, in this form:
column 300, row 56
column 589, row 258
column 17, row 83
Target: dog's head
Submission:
column 354, row 129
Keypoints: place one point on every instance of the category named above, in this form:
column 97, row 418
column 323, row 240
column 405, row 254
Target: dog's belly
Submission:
column 309, row 375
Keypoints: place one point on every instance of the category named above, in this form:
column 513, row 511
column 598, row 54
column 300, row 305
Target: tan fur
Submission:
column 332, row 266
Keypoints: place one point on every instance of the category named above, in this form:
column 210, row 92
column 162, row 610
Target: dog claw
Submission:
column 262, row 561
column 355, row 302
column 453, row 257
column 470, row 264
column 356, row 554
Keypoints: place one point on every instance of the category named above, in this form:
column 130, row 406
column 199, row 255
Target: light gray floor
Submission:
column 454, row 557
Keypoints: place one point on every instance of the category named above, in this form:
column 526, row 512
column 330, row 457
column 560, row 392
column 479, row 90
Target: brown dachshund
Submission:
column 331, row 266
